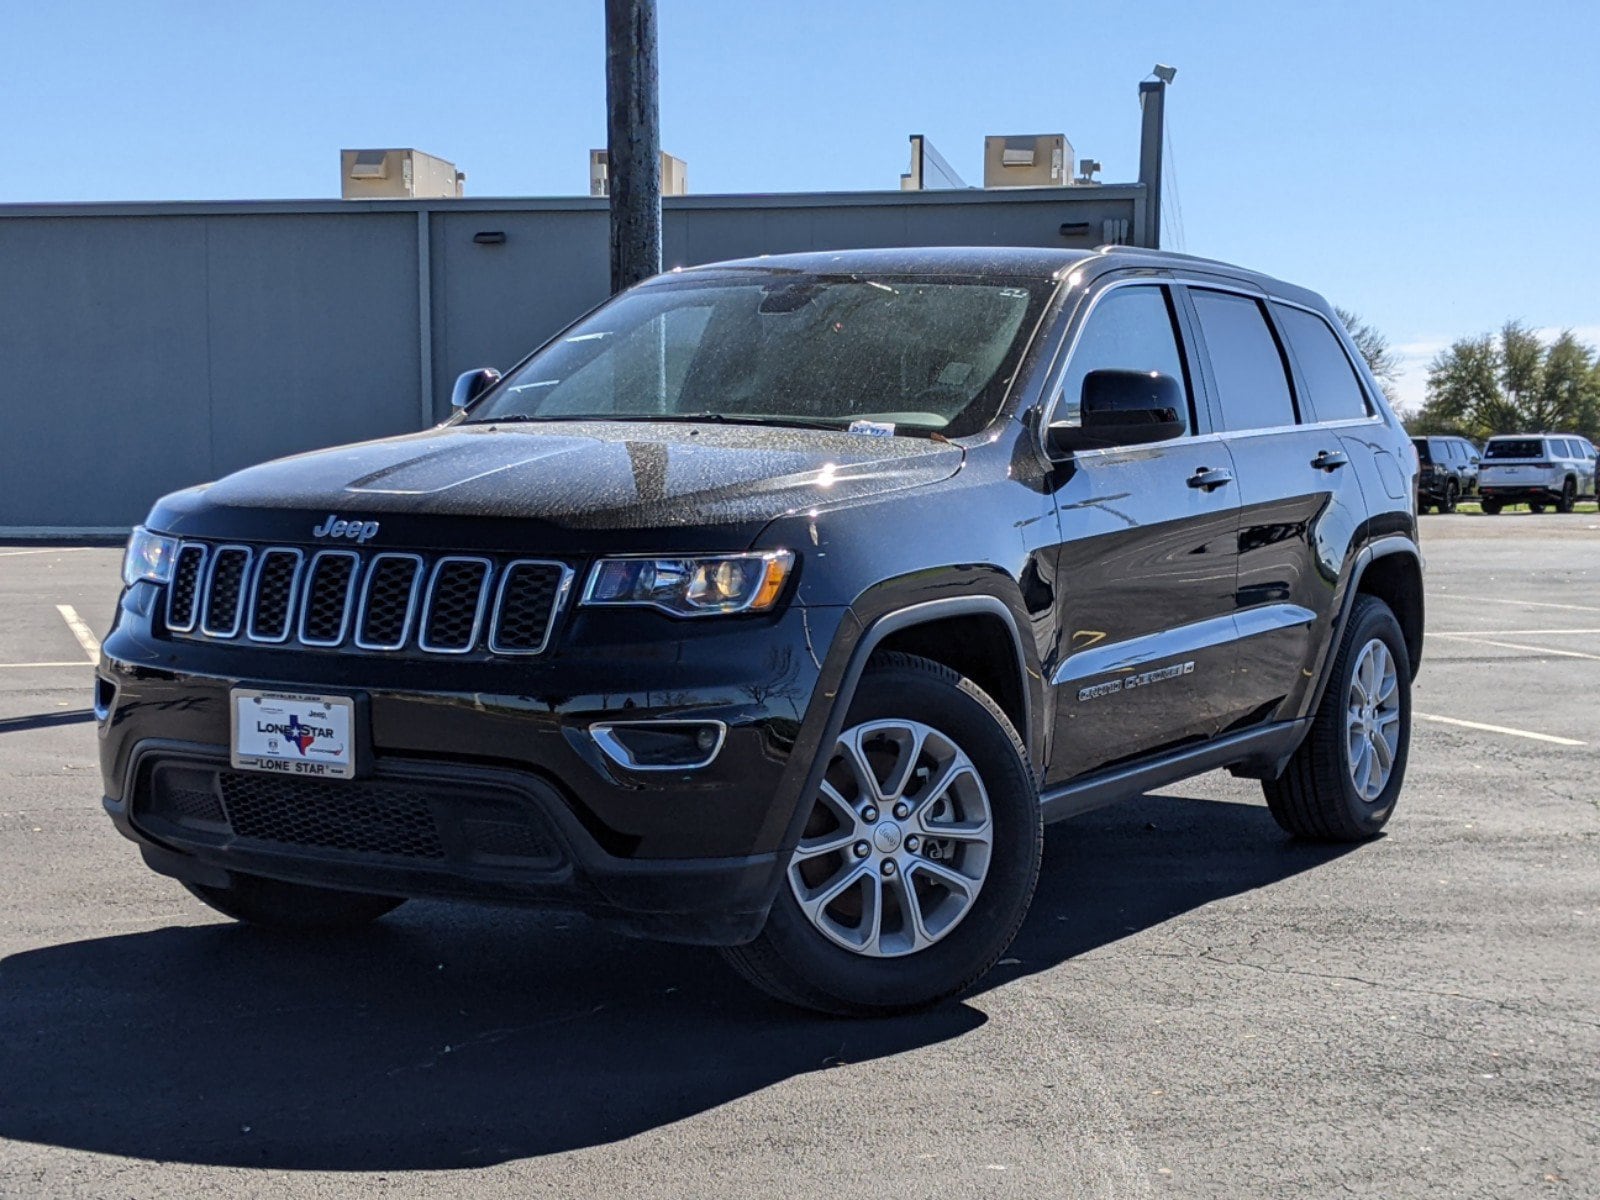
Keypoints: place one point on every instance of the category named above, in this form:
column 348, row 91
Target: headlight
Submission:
column 149, row 556
column 692, row 587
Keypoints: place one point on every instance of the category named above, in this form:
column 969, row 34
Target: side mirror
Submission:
column 472, row 384
column 1122, row 408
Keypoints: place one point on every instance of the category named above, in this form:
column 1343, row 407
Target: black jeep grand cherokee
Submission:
column 778, row 604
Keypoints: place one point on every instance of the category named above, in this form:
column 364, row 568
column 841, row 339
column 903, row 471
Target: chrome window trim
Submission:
column 255, row 589
column 199, row 587
column 603, row 733
column 563, row 588
column 244, row 591
column 350, row 593
column 411, row 600
column 477, row 615
column 1172, row 279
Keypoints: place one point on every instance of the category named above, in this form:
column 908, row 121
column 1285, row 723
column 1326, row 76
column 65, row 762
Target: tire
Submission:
column 272, row 904
column 904, row 706
column 1569, row 497
column 1451, row 495
column 1317, row 797
column 1490, row 508
column 1535, row 506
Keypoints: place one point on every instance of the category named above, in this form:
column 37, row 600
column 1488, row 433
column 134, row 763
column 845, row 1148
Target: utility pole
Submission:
column 633, row 141
column 1152, row 131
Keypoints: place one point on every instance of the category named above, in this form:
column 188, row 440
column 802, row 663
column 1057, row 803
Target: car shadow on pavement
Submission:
column 458, row 1037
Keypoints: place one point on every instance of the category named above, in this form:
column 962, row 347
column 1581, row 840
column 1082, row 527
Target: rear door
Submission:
column 1147, row 565
column 1300, row 498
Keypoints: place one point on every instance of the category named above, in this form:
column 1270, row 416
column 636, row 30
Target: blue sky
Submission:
column 1432, row 165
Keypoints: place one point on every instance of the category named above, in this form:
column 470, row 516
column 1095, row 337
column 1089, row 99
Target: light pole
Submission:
column 1152, row 132
column 633, row 141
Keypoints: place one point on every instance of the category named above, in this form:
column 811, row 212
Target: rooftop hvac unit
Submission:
column 397, row 175
column 674, row 174
column 1027, row 160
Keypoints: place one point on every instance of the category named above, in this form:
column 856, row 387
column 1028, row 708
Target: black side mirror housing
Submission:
column 1122, row 408
column 472, row 384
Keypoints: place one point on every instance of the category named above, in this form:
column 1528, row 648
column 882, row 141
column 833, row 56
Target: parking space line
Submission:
column 81, row 631
column 1522, row 733
column 50, row 550
column 1521, row 603
column 76, row 662
column 1483, row 641
column 1472, row 633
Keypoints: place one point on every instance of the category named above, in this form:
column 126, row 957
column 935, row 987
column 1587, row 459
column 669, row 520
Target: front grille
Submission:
column 363, row 819
column 390, row 602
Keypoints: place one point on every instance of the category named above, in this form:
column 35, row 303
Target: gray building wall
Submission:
column 147, row 347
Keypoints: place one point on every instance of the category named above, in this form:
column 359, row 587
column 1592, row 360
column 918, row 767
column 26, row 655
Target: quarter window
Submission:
column 1245, row 360
column 1335, row 391
column 1130, row 329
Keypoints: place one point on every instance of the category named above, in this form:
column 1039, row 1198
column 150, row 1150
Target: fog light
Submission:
column 660, row 745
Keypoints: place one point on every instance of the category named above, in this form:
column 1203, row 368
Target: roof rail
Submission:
column 1118, row 248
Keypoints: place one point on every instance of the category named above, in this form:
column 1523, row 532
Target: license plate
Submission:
column 291, row 733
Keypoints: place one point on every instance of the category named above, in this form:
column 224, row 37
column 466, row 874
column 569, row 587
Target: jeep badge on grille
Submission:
column 337, row 527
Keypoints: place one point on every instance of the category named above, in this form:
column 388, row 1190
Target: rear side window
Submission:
column 1245, row 360
column 1130, row 329
column 1333, row 386
column 1514, row 448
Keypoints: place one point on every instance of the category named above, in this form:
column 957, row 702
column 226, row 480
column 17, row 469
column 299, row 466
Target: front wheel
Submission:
column 1569, row 497
column 919, row 854
column 273, row 904
column 1343, row 781
column 1451, row 495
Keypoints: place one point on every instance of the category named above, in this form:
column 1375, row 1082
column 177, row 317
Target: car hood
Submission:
column 568, row 486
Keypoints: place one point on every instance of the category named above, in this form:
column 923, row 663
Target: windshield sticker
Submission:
column 872, row 428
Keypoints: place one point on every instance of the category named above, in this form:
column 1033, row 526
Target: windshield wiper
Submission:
column 716, row 418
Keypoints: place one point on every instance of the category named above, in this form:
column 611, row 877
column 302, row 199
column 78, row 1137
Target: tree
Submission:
column 1382, row 361
column 1512, row 383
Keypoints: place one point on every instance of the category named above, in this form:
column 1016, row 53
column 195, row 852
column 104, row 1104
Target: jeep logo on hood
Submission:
column 337, row 527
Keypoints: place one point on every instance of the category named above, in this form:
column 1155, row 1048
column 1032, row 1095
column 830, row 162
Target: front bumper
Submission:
column 488, row 750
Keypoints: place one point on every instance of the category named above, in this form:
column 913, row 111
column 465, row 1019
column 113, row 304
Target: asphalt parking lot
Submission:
column 1197, row 1006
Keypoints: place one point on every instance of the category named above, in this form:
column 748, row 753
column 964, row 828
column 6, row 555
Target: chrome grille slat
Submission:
column 452, row 614
column 223, row 608
column 274, row 588
column 183, row 598
column 390, row 602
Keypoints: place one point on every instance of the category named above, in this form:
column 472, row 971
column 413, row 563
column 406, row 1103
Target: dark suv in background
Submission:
column 1448, row 470
column 778, row 605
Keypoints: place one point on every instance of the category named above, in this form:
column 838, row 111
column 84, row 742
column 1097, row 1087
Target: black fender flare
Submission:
column 1380, row 547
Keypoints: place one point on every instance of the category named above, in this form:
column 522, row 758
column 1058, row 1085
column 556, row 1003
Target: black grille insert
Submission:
column 386, row 602
column 455, row 605
column 529, row 593
column 183, row 600
column 222, row 607
column 388, row 819
column 272, row 606
column 326, row 604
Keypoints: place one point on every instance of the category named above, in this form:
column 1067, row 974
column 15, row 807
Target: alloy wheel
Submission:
column 1372, row 719
column 898, row 842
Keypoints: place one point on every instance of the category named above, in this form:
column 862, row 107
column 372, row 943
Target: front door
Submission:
column 1147, row 565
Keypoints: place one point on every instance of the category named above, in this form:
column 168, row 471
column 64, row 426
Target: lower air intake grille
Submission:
column 362, row 818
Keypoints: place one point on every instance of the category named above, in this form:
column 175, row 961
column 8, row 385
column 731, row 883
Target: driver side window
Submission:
column 1130, row 329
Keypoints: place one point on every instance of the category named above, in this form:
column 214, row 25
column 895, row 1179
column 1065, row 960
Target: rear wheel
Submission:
column 1451, row 495
column 919, row 855
column 274, row 904
column 1342, row 784
column 1569, row 497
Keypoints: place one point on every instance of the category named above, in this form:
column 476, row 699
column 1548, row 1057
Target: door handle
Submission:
column 1330, row 460
column 1210, row 478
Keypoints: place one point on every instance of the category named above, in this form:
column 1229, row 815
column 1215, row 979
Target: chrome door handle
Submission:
column 1210, row 478
column 1330, row 460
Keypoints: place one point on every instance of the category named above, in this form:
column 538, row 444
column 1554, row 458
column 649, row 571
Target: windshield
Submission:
column 1514, row 448
column 924, row 353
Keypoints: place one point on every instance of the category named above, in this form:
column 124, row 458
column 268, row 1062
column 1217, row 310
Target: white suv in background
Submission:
column 1536, row 469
